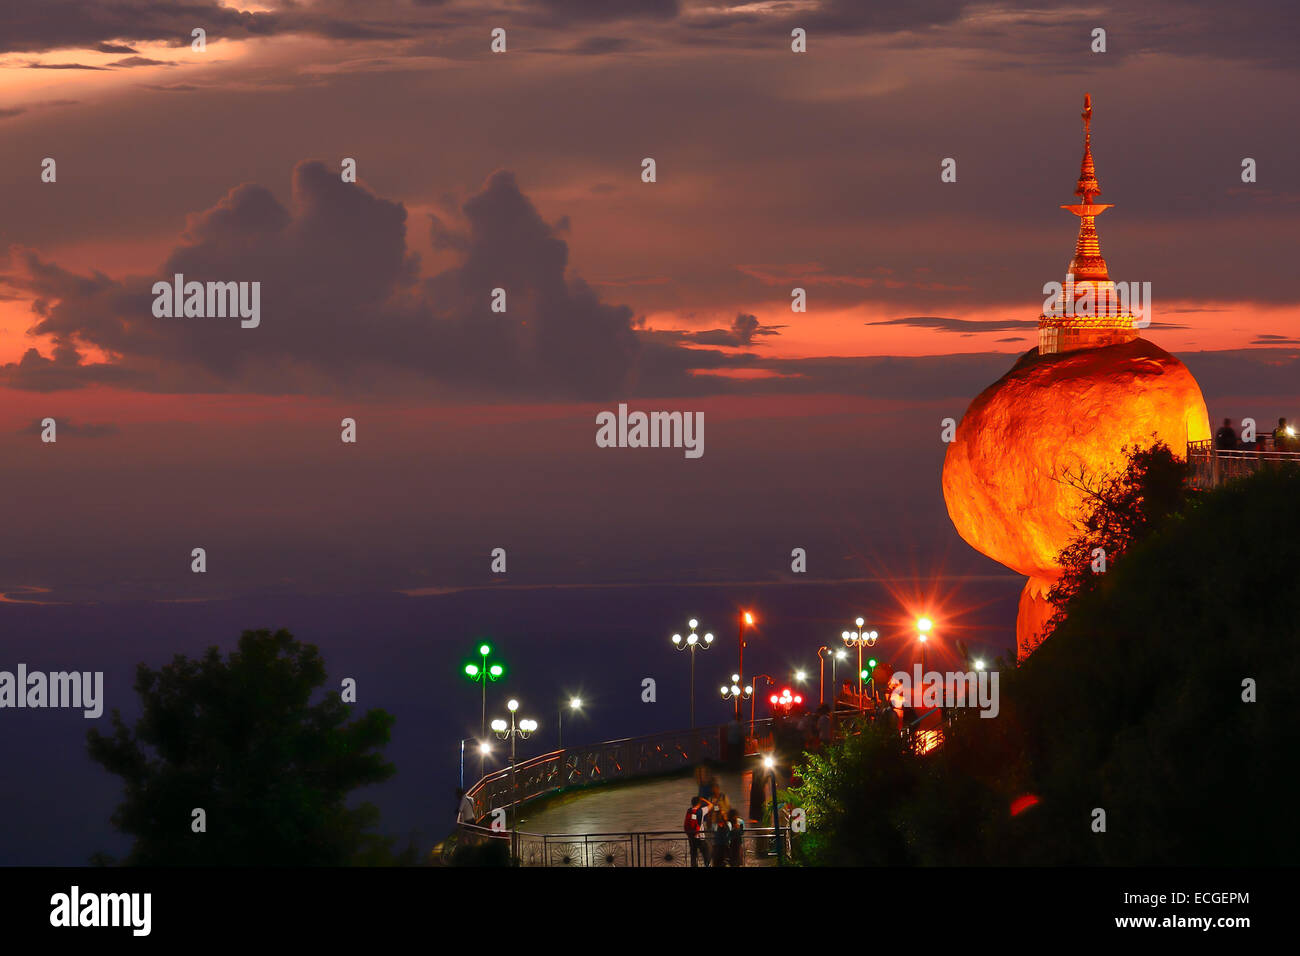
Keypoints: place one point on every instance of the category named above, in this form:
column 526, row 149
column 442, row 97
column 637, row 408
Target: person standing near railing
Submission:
column 722, row 836
column 465, row 812
column 736, row 848
column 1284, row 437
column 692, row 825
column 1225, row 439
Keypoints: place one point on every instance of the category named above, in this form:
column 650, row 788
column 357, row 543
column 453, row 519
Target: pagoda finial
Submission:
column 1088, row 187
column 1089, row 313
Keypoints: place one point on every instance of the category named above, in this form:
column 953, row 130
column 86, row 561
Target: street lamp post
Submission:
column 481, row 675
column 923, row 625
column 738, row 693
column 859, row 639
column 575, row 703
column 746, row 618
column 512, row 731
column 690, row 643
column 839, row 655
column 770, row 764
column 821, row 675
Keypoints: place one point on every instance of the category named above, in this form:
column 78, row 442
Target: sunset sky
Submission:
column 522, row 170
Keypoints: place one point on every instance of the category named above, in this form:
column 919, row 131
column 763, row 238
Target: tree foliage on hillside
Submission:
column 241, row 739
column 1134, row 705
column 1120, row 507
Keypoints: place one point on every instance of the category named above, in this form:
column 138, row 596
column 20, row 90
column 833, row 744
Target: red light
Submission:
column 798, row 700
column 1023, row 803
column 774, row 698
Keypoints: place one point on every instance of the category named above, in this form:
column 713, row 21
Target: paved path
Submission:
column 652, row 805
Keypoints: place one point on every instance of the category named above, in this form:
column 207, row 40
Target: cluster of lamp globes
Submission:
column 868, row 638
column 693, row 640
column 735, row 690
column 523, row 728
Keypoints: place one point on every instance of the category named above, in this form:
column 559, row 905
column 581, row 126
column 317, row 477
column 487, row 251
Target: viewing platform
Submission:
column 1211, row 467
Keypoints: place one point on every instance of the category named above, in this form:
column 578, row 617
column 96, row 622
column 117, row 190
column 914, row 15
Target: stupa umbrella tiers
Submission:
column 1071, row 406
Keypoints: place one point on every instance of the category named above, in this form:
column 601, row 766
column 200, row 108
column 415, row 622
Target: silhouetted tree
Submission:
column 1119, row 508
column 241, row 739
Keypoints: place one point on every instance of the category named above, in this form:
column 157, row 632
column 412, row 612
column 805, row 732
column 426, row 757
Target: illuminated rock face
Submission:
column 1050, row 414
column 1090, row 388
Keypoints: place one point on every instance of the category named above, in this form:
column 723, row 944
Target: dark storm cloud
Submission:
column 35, row 373
column 597, row 10
column 556, row 336
column 342, row 305
column 94, row 24
column 101, row 24
column 744, row 328
column 132, row 61
column 1055, row 34
column 63, row 66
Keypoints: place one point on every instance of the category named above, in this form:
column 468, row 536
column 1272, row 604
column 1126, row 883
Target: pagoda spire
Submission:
column 1087, row 264
column 1088, row 312
column 1088, row 185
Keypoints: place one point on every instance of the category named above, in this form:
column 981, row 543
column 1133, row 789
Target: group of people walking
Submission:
column 714, row 830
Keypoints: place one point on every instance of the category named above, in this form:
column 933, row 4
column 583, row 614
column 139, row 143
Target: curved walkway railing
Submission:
column 600, row 763
column 645, row 848
column 648, row 756
column 629, row 758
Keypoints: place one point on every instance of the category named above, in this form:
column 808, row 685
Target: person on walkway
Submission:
column 736, row 848
column 719, row 800
column 1225, row 439
column 735, row 743
column 847, row 699
column 465, row 813
column 692, row 825
column 704, row 780
column 757, row 785
column 1284, row 438
column 721, row 841
column 713, row 821
column 825, row 732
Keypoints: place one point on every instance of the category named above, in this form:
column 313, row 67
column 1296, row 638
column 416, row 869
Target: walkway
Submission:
column 651, row 805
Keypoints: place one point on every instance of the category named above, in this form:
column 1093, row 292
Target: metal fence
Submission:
column 652, row 848
column 1211, row 466
column 640, row 757
column 600, row 763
